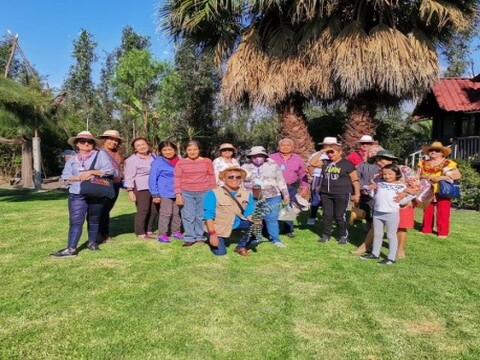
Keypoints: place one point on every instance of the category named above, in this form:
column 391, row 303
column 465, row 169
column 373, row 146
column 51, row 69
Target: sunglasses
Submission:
column 369, row 143
column 435, row 150
column 233, row 177
column 85, row 142
column 227, row 150
column 330, row 152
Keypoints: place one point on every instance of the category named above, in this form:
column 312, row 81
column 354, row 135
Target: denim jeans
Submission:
column 271, row 219
column 80, row 207
column 192, row 215
column 221, row 249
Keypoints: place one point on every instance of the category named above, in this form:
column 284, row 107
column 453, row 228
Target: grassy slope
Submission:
column 138, row 299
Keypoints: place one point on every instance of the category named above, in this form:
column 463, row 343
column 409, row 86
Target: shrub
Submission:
column 470, row 186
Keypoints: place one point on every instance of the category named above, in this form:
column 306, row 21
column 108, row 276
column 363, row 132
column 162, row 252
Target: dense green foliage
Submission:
column 470, row 186
column 138, row 299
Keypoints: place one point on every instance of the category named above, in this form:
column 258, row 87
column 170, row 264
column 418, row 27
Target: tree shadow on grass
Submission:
column 122, row 224
column 15, row 195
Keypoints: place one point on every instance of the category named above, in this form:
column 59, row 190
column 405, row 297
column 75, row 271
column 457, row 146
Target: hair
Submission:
column 373, row 149
column 395, row 168
column 138, row 139
column 165, row 144
column 195, row 143
column 286, row 140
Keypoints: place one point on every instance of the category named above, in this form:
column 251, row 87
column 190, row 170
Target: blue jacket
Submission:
column 160, row 181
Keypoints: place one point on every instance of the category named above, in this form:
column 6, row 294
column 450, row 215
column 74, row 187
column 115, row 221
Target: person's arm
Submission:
column 316, row 160
column 302, row 175
column 153, row 178
column 130, row 171
column 211, row 174
column 177, row 181
column 356, row 186
column 209, row 213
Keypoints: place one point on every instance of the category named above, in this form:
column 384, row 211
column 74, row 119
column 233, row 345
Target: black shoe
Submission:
column 93, row 246
column 386, row 262
column 290, row 235
column 324, row 238
column 343, row 240
column 368, row 256
column 65, row 252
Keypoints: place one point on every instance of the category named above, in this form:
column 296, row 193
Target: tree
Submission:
column 26, row 110
column 283, row 53
column 82, row 105
column 135, row 83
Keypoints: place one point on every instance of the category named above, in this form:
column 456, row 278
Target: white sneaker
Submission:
column 279, row 244
column 311, row 221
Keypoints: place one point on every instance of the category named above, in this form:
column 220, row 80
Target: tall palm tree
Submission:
column 282, row 53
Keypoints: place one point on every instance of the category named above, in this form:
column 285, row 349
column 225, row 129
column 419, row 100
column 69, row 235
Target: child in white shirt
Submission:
column 386, row 213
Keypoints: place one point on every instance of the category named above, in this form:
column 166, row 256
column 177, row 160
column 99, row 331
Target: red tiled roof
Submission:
column 458, row 94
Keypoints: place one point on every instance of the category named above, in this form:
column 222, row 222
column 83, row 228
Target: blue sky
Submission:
column 47, row 28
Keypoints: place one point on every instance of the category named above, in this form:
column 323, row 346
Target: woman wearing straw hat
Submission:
column 266, row 173
column 76, row 170
column 339, row 177
column 111, row 141
column 435, row 169
column 226, row 159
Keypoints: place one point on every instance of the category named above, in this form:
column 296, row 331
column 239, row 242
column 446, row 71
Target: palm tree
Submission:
column 283, row 53
column 24, row 108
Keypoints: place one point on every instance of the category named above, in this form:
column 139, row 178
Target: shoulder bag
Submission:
column 97, row 187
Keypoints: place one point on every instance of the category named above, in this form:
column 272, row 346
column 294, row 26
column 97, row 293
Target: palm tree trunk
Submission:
column 27, row 163
column 293, row 126
column 361, row 111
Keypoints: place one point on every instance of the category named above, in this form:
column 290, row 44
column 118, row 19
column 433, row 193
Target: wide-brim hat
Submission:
column 111, row 134
column 222, row 174
column 87, row 135
column 437, row 145
column 330, row 141
column 257, row 150
column 386, row 154
column 365, row 139
column 227, row 146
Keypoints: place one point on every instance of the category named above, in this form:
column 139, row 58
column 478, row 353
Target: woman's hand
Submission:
column 156, row 200
column 85, row 175
column 356, row 198
column 400, row 196
column 286, row 199
column 179, row 200
column 435, row 179
column 213, row 240
column 131, row 196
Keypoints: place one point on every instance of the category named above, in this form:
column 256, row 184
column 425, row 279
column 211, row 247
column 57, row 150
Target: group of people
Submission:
column 198, row 200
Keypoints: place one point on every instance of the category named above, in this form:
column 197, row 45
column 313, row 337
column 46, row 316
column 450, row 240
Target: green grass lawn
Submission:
column 140, row 299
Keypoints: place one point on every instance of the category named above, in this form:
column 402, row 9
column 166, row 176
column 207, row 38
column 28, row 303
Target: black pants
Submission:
column 104, row 229
column 335, row 208
column 146, row 212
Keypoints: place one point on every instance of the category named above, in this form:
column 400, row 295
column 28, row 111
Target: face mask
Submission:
column 257, row 161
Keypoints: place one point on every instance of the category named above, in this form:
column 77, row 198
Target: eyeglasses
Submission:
column 330, row 152
column 368, row 143
column 233, row 177
column 227, row 150
column 90, row 142
column 435, row 150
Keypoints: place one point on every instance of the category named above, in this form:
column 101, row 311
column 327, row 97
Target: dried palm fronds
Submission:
column 351, row 69
column 389, row 60
column 442, row 12
column 425, row 61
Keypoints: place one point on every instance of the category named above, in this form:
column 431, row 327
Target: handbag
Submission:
column 300, row 204
column 425, row 196
column 97, row 187
column 287, row 213
column 449, row 189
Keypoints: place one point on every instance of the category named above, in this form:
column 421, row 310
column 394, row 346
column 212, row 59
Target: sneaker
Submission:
column 343, row 240
column 93, row 246
column 386, row 262
column 163, row 238
column 311, row 221
column 65, row 252
column 324, row 238
column 279, row 244
column 368, row 256
column 178, row 236
column 291, row 235
column 253, row 243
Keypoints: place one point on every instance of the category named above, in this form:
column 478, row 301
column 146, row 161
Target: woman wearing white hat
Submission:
column 225, row 160
column 435, row 169
column 111, row 141
column 76, row 170
column 266, row 173
column 339, row 178
column 360, row 156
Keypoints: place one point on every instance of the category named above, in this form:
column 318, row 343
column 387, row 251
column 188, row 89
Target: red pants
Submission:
column 443, row 216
